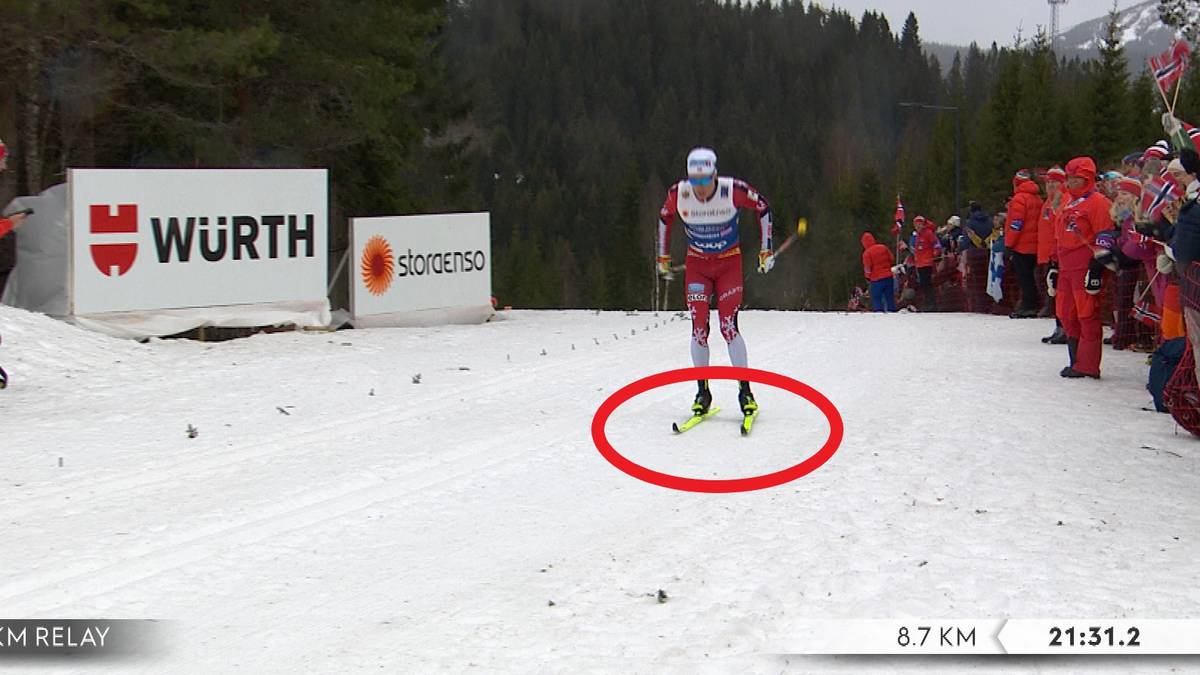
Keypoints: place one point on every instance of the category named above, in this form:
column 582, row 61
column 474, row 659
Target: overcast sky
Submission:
column 961, row 21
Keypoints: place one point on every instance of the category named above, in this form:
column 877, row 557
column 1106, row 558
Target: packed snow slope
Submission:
column 333, row 514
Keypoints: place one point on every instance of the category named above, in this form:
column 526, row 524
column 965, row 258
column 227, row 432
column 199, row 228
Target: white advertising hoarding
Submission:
column 421, row 270
column 149, row 239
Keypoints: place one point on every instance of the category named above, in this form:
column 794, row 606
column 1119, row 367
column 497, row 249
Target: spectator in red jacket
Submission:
column 1047, row 243
column 1021, row 240
column 14, row 221
column 877, row 268
column 926, row 247
column 1083, row 218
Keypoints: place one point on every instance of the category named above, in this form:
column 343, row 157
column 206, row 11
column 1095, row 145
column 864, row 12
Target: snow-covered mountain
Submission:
column 1143, row 34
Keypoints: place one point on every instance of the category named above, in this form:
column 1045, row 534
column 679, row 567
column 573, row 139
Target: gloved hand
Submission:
column 1170, row 252
column 1052, row 280
column 1092, row 280
column 1106, row 258
column 766, row 260
column 897, row 269
column 1164, row 264
column 1147, row 230
column 1171, row 124
column 664, row 267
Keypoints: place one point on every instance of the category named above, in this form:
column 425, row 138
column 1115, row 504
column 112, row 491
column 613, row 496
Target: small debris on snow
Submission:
column 463, row 368
column 978, row 511
column 372, row 392
column 192, row 431
column 543, row 351
column 549, row 603
column 661, row 597
column 60, row 465
column 416, row 379
column 923, row 563
column 1060, row 523
column 281, row 410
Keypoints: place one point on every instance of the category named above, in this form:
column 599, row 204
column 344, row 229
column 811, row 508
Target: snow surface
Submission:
column 382, row 524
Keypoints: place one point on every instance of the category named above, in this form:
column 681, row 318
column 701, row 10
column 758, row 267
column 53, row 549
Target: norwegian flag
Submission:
column 1147, row 313
column 1169, row 66
column 1193, row 134
column 899, row 218
column 1155, row 197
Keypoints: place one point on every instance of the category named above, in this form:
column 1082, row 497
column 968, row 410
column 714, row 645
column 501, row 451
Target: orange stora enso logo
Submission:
column 377, row 265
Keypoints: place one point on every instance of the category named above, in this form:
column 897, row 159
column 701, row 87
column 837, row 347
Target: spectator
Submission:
column 1021, row 241
column 1078, row 304
column 1132, row 249
column 978, row 228
column 1051, row 207
column 1185, row 247
column 950, row 233
column 1177, row 173
column 1153, row 159
column 925, row 247
column 1131, row 165
column 877, row 268
column 997, row 227
column 1108, row 184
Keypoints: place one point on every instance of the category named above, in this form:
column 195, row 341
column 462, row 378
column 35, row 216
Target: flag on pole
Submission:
column 899, row 217
column 1156, row 195
column 1192, row 133
column 995, row 284
column 1170, row 66
column 1147, row 313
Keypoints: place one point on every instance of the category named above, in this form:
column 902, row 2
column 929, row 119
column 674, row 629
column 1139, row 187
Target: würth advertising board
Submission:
column 421, row 270
column 181, row 238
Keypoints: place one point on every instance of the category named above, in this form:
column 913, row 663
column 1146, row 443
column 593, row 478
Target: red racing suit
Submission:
column 714, row 255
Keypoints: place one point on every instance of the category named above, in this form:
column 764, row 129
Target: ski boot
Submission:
column 3, row 379
column 703, row 399
column 749, row 407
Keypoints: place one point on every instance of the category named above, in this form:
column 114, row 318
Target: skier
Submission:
column 7, row 225
column 708, row 204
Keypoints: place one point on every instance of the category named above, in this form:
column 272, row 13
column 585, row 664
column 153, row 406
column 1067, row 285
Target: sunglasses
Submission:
column 700, row 180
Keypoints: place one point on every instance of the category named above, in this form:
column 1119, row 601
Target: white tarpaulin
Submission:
column 39, row 281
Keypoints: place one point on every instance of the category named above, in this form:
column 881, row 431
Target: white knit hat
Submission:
column 701, row 162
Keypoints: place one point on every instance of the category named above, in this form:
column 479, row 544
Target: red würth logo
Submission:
column 114, row 259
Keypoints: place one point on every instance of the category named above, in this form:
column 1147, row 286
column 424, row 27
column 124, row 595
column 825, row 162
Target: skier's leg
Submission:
column 729, row 300
column 698, row 286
